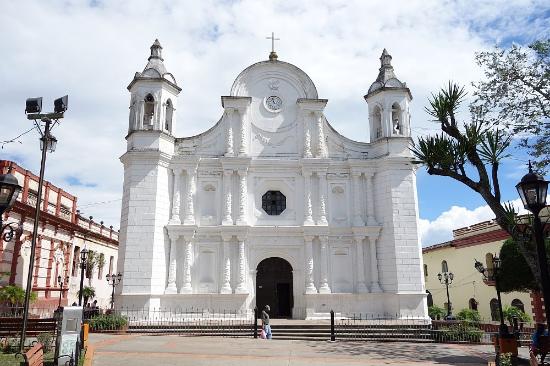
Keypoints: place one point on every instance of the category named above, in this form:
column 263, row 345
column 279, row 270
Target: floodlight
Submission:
column 33, row 105
column 61, row 104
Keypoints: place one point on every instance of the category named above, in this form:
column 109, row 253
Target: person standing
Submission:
column 265, row 322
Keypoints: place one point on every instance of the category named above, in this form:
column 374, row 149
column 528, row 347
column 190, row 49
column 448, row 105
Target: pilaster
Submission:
column 324, row 287
column 309, row 280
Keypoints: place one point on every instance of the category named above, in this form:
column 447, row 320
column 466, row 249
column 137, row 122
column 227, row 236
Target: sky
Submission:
column 90, row 50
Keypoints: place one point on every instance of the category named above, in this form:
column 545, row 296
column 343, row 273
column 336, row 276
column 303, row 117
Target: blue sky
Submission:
column 91, row 49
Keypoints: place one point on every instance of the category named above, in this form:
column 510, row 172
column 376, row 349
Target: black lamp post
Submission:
column 9, row 190
column 33, row 108
column 446, row 278
column 61, row 282
column 503, row 329
column 113, row 280
column 533, row 190
column 83, row 259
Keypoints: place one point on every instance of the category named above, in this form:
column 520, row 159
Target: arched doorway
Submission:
column 274, row 287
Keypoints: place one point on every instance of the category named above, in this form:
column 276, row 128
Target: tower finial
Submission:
column 385, row 58
column 156, row 51
column 273, row 55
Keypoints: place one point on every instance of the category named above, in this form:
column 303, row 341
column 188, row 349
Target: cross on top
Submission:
column 273, row 39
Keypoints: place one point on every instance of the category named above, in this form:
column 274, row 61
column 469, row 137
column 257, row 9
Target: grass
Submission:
column 8, row 359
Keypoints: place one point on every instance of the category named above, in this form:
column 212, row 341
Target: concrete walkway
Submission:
column 146, row 350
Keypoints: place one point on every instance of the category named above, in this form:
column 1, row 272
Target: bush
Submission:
column 505, row 359
column 46, row 340
column 462, row 332
column 108, row 322
column 469, row 315
column 511, row 312
column 13, row 295
column 9, row 345
column 436, row 313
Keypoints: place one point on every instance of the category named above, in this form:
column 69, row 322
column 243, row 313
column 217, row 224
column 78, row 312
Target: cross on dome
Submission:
column 273, row 55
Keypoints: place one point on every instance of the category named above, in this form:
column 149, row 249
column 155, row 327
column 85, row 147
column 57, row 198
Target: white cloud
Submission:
column 441, row 229
column 52, row 48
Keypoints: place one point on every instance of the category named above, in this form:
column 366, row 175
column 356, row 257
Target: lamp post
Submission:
column 9, row 190
column 503, row 329
column 532, row 190
column 83, row 259
column 113, row 280
column 33, row 107
column 446, row 278
column 61, row 282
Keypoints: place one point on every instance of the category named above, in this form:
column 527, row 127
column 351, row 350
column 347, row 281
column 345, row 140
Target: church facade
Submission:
column 271, row 205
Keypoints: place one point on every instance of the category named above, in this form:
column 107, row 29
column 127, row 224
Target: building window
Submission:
column 397, row 126
column 425, row 270
column 273, row 202
column 100, row 265
column 377, row 122
column 494, row 310
column 76, row 259
column 430, row 298
column 489, row 266
column 444, row 267
column 472, row 304
column 111, row 260
column 169, row 113
column 518, row 305
column 148, row 110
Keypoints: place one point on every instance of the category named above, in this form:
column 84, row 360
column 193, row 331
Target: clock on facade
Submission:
column 273, row 103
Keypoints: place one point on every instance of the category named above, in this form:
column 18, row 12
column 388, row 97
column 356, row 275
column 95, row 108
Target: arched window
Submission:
column 377, row 123
column 148, row 111
column 472, row 304
column 444, row 267
column 430, row 298
column 397, row 125
column 425, row 270
column 494, row 310
column 169, row 113
column 76, row 259
column 518, row 304
column 489, row 264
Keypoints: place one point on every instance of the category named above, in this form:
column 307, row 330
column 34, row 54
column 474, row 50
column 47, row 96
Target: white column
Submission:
column 227, row 194
column 242, row 129
column 357, row 219
column 308, row 209
column 172, row 268
column 361, row 287
column 242, row 197
column 307, row 135
column 226, row 280
column 241, row 286
column 187, row 287
column 324, row 287
column 310, row 285
column 191, row 188
column 370, row 199
column 374, row 285
column 229, row 137
column 322, row 151
column 176, row 197
column 322, row 198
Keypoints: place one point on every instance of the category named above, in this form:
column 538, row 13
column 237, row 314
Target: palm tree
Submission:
column 88, row 293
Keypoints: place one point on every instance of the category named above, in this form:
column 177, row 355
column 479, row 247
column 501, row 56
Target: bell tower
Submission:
column 388, row 99
column 153, row 97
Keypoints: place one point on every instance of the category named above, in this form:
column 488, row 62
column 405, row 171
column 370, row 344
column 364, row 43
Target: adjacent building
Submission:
column 469, row 290
column 271, row 205
column 62, row 233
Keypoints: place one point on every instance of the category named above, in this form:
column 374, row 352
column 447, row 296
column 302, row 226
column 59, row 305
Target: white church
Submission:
column 271, row 205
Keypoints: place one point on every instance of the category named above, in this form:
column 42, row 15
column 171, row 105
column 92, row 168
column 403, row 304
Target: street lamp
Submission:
column 9, row 190
column 61, row 282
column 113, row 280
column 33, row 109
column 533, row 190
column 503, row 329
column 446, row 279
column 83, row 259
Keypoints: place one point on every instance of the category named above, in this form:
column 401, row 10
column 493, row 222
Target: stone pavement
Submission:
column 141, row 350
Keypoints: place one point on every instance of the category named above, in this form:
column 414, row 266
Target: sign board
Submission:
column 69, row 333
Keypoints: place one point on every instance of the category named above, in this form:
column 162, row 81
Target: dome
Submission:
column 155, row 69
column 386, row 76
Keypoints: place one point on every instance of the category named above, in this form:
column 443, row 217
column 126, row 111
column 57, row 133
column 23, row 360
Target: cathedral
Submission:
column 271, row 205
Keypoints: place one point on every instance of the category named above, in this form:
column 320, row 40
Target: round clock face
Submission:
column 273, row 103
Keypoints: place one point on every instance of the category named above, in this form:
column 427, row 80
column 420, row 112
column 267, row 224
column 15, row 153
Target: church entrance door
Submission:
column 274, row 287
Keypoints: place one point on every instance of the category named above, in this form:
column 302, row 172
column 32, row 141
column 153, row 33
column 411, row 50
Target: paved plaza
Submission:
column 142, row 350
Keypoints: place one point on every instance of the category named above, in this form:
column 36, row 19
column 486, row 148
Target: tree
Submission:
column 471, row 154
column 91, row 263
column 516, row 94
column 435, row 312
column 511, row 312
column 13, row 295
column 88, row 293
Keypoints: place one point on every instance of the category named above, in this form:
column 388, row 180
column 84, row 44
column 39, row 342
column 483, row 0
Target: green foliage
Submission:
column 101, row 261
column 435, row 312
column 88, row 293
column 108, row 322
column 46, row 340
column 461, row 332
column 511, row 312
column 505, row 359
column 91, row 263
column 515, row 274
column 469, row 315
column 13, row 295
